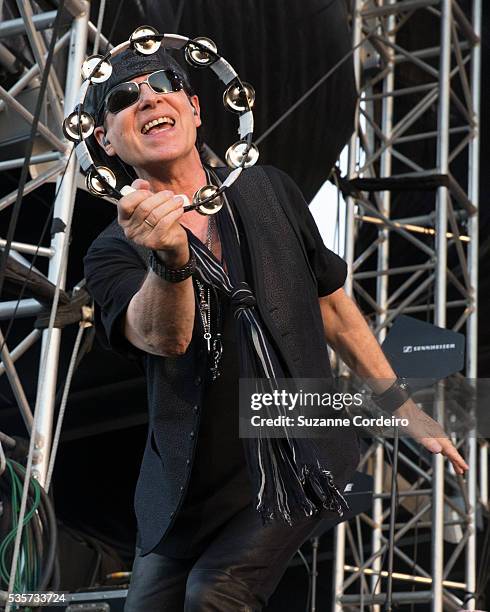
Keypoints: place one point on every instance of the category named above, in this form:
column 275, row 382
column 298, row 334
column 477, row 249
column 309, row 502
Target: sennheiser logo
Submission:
column 413, row 348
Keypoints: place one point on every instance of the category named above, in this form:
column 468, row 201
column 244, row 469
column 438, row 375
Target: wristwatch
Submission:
column 172, row 275
column 395, row 396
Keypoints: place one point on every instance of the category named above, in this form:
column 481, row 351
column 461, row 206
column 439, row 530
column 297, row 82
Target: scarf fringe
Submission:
column 304, row 490
column 321, row 482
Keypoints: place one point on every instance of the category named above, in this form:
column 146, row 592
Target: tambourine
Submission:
column 200, row 52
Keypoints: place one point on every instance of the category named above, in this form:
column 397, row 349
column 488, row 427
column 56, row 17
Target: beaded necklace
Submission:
column 214, row 344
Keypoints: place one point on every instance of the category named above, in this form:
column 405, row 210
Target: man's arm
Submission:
column 160, row 316
column 347, row 332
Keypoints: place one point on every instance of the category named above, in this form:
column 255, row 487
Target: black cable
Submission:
column 51, row 529
column 178, row 15
column 336, row 237
column 484, row 565
column 383, row 558
column 38, row 534
column 98, row 563
column 415, row 549
column 56, row 578
column 334, row 176
column 391, row 534
column 100, row 542
column 45, row 530
column 312, row 89
column 14, row 180
column 115, row 20
column 55, row 575
column 310, row 576
column 25, row 168
column 52, row 544
column 111, row 544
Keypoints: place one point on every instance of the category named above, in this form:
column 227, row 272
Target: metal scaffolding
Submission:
column 59, row 164
column 49, row 158
column 381, row 161
column 376, row 147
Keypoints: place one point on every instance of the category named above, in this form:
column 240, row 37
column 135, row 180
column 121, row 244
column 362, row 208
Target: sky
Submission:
column 328, row 210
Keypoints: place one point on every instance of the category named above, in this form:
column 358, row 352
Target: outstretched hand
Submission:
column 152, row 220
column 422, row 428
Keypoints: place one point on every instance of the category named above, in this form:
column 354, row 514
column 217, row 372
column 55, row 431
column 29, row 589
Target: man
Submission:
column 201, row 542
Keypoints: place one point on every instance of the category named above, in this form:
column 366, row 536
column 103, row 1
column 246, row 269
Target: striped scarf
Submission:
column 286, row 474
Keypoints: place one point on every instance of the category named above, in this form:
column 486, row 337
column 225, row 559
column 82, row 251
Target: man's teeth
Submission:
column 161, row 120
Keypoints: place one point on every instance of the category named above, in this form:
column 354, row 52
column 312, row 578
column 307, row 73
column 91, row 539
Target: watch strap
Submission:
column 172, row 275
column 395, row 396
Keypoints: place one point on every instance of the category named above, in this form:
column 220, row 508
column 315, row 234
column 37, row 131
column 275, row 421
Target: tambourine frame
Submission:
column 225, row 72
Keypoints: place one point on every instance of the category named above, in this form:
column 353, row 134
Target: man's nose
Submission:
column 147, row 95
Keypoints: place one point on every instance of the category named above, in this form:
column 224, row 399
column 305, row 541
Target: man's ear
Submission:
column 194, row 102
column 103, row 141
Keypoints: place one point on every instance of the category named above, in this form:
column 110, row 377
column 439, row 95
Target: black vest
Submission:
column 283, row 281
column 286, row 294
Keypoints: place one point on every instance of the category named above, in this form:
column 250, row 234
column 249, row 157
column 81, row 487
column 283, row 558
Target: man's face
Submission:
column 142, row 147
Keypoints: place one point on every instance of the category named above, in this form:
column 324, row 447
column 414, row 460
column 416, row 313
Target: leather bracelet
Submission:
column 395, row 396
column 172, row 275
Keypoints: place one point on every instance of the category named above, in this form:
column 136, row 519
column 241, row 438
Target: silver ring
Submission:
column 150, row 224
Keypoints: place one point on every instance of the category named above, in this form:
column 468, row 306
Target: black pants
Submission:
column 237, row 571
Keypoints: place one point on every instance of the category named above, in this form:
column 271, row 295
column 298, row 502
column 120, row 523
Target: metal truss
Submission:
column 52, row 159
column 442, row 284
column 35, row 28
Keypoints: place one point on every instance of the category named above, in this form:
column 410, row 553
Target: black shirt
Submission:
column 115, row 269
column 115, row 272
column 219, row 486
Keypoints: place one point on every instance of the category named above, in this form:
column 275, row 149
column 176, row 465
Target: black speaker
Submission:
column 416, row 349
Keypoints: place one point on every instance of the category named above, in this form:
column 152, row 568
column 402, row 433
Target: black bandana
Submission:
column 128, row 65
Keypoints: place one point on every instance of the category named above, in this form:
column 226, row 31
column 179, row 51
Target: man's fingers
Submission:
column 129, row 203
column 446, row 447
column 433, row 437
column 138, row 205
column 432, row 445
column 169, row 219
column 141, row 184
column 456, row 459
column 150, row 205
column 159, row 212
column 162, row 235
column 166, row 214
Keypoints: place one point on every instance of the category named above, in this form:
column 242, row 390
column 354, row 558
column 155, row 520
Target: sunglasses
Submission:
column 126, row 94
